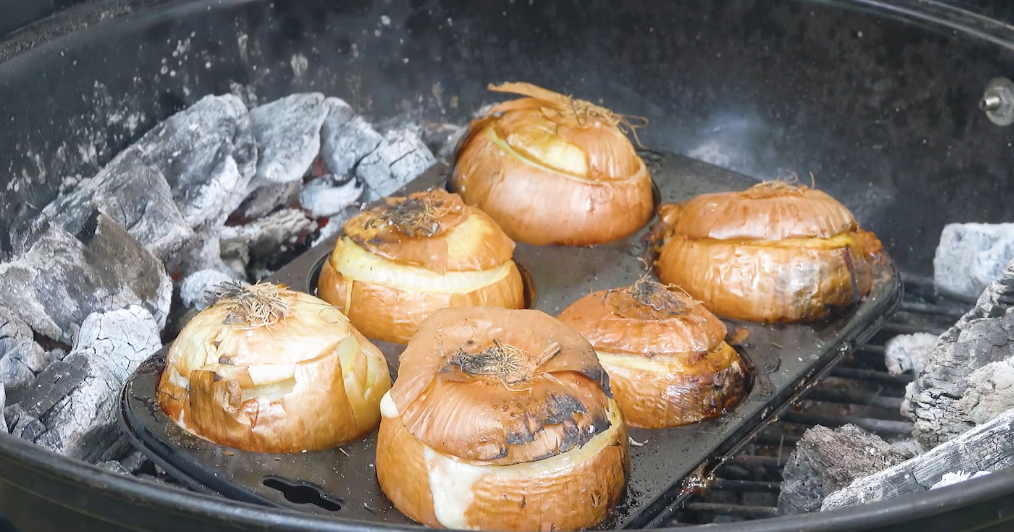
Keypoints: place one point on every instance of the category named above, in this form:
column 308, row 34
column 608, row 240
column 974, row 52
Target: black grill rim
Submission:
column 28, row 469
column 50, row 476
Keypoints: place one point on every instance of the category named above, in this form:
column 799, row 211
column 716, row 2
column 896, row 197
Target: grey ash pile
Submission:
column 98, row 280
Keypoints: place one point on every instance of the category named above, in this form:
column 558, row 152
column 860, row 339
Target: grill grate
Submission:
column 860, row 391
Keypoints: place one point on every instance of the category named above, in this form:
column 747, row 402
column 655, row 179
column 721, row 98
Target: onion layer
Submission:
column 773, row 253
column 402, row 260
column 667, row 360
column 501, row 419
column 553, row 170
column 266, row 369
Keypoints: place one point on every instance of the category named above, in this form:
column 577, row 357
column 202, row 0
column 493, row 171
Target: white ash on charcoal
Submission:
column 135, row 194
column 61, row 279
column 3, row 404
column 827, row 460
column 908, row 352
column 208, row 155
column 207, row 255
column 113, row 466
column 267, row 240
column 329, row 195
column 345, row 138
column 949, row 479
column 21, row 357
column 401, row 157
column 121, row 339
column 970, row 257
column 968, row 375
column 266, row 200
column 198, row 287
column 70, row 408
column 288, row 137
column 987, row 447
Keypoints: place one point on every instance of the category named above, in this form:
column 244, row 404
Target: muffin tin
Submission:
column 666, row 464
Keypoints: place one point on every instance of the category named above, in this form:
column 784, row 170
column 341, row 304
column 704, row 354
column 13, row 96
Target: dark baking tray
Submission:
column 666, row 464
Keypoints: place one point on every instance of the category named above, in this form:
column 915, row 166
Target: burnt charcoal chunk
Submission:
column 3, row 404
column 135, row 194
column 21, row 357
column 207, row 154
column 987, row 447
column 970, row 257
column 265, row 200
column 826, row 460
column 197, row 288
column 964, row 382
column 328, row 196
column 401, row 157
column 288, row 136
column 62, row 279
column 908, row 352
column 264, row 239
column 120, row 340
column 82, row 424
column 345, row 138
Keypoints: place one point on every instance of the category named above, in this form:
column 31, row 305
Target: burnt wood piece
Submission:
column 64, row 278
column 987, row 447
column 957, row 389
column 827, row 460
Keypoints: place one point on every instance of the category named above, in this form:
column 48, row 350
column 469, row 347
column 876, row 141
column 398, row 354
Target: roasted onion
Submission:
column 776, row 252
column 551, row 169
column 501, row 420
column 407, row 257
column 666, row 355
column 267, row 369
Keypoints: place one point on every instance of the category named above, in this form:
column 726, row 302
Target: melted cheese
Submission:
column 357, row 264
column 387, row 407
column 451, row 481
column 451, row 485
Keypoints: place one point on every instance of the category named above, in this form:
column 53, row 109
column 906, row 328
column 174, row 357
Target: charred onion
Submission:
column 407, row 257
column 551, row 169
column 776, row 252
column 666, row 355
column 501, row 420
column 266, row 369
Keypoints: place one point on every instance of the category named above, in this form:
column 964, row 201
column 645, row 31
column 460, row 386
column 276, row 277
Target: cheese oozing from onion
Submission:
column 356, row 264
column 451, row 481
column 387, row 407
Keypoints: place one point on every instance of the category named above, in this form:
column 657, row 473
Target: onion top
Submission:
column 647, row 318
column 500, row 386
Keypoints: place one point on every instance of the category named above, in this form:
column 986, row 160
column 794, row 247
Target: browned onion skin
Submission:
column 575, row 498
column 466, row 397
column 392, row 314
column 328, row 404
column 665, row 353
column 541, row 201
column 773, row 253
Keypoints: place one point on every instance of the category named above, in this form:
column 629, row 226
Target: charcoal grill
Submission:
column 878, row 98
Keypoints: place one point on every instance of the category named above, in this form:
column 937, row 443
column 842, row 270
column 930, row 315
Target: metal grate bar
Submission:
column 852, row 397
column 883, row 426
column 871, row 376
column 735, row 510
column 745, row 485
